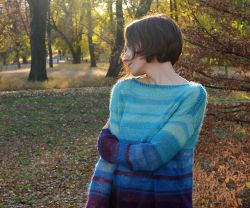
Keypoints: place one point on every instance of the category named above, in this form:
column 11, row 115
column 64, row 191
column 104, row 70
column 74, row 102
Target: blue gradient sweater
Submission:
column 147, row 153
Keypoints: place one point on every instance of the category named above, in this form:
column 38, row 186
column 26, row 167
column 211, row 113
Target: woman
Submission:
column 156, row 116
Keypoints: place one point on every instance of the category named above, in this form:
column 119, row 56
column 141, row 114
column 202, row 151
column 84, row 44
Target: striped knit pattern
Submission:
column 149, row 146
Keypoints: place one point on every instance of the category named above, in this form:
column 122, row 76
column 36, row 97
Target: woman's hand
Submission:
column 106, row 125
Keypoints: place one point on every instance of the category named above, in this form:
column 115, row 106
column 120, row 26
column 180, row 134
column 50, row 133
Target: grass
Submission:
column 48, row 149
column 48, row 139
column 62, row 76
column 228, row 97
column 47, row 146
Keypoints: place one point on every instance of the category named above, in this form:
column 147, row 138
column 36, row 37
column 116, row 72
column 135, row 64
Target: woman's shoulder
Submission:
column 121, row 83
column 124, row 80
column 119, row 86
column 196, row 91
column 197, row 88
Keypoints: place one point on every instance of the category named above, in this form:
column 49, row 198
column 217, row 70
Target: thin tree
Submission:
column 171, row 8
column 67, row 21
column 111, row 17
column 143, row 8
column 175, row 10
column 49, row 38
column 115, row 61
column 90, row 34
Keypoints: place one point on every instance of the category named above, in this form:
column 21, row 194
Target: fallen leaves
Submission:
column 48, row 152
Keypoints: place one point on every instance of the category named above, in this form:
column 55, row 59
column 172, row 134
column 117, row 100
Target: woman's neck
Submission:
column 162, row 73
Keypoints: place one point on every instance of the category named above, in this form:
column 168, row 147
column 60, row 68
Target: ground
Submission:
column 48, row 149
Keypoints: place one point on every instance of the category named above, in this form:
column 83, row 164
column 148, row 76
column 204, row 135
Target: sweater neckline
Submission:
column 135, row 80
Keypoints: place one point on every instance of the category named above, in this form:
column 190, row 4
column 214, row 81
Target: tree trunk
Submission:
column 25, row 61
column 175, row 10
column 157, row 5
column 115, row 61
column 76, row 55
column 143, row 8
column 4, row 57
column 49, row 38
column 73, row 34
column 17, row 59
column 38, row 13
column 111, row 17
column 90, row 34
column 171, row 8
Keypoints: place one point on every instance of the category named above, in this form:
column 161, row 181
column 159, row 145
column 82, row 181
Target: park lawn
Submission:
column 48, row 151
column 62, row 76
column 67, row 75
column 48, row 146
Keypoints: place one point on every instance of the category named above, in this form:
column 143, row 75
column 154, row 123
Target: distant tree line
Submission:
column 216, row 34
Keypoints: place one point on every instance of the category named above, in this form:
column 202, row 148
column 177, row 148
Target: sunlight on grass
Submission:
column 60, row 77
column 223, row 97
column 241, row 95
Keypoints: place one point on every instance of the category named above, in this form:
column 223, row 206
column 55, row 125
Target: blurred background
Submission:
column 58, row 62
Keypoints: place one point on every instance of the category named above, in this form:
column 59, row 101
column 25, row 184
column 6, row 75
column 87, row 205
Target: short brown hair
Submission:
column 154, row 36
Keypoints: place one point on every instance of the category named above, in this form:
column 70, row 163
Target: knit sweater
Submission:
column 147, row 153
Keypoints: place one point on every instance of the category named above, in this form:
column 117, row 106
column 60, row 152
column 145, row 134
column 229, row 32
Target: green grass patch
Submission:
column 48, row 145
column 228, row 97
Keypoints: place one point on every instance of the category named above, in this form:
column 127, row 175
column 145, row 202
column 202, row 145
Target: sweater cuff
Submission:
column 107, row 145
column 121, row 150
column 105, row 132
column 122, row 154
